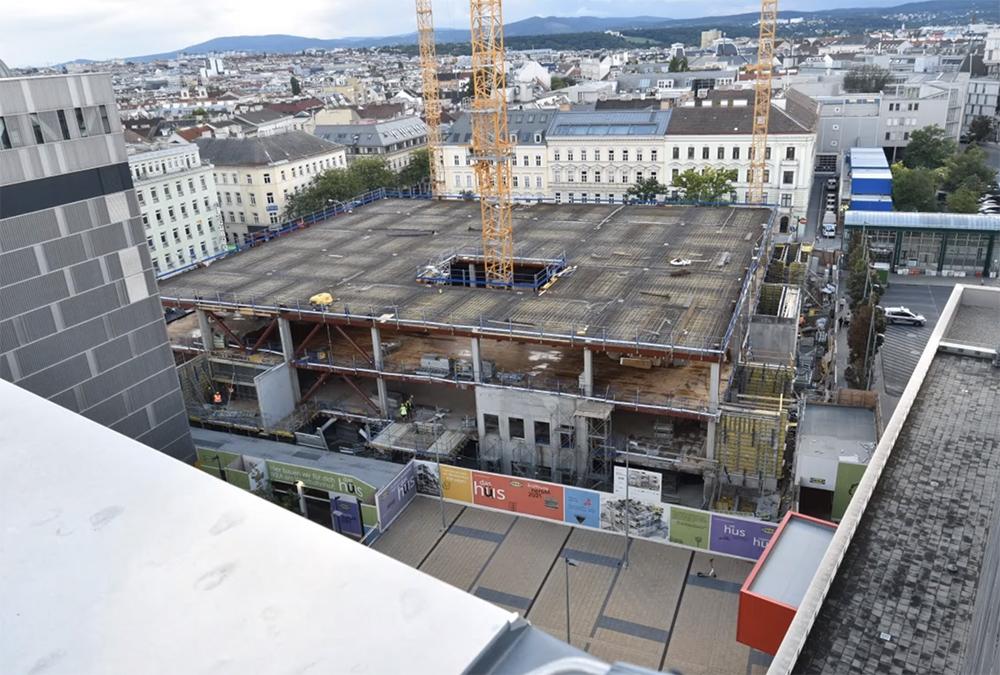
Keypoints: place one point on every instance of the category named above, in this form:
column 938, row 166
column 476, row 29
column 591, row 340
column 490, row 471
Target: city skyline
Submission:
column 41, row 35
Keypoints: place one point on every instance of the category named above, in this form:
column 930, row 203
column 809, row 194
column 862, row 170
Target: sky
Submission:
column 55, row 31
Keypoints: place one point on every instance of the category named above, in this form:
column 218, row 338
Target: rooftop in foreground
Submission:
column 622, row 279
column 918, row 588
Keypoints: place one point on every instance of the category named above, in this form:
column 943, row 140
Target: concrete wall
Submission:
column 275, row 394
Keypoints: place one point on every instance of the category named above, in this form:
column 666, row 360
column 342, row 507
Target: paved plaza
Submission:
column 656, row 612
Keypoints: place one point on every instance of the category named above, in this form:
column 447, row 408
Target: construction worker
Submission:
column 217, row 398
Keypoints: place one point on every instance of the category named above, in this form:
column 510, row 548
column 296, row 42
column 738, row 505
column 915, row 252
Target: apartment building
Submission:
column 595, row 156
column 80, row 317
column 255, row 176
column 527, row 130
column 983, row 100
column 923, row 100
column 392, row 140
column 180, row 210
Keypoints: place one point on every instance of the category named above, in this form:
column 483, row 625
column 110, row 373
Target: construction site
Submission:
column 630, row 334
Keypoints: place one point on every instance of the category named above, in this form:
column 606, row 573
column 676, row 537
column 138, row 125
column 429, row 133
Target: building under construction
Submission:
column 639, row 333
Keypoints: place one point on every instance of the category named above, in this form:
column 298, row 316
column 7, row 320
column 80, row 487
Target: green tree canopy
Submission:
column 678, row 64
column 968, row 169
column 865, row 79
column 964, row 200
column 709, row 185
column 559, row 82
column 296, row 87
column 914, row 189
column 418, row 171
column 928, row 148
column 980, row 128
column 645, row 190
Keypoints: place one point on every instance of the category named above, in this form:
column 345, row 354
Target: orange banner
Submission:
column 519, row 495
column 456, row 483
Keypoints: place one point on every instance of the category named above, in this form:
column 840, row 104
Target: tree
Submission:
column 296, row 87
column 678, row 64
column 709, row 185
column 645, row 190
column 968, row 169
column 865, row 79
column 418, row 171
column 559, row 82
column 863, row 343
column 341, row 185
column 914, row 189
column 964, row 200
column 980, row 129
column 200, row 112
column 372, row 173
column 928, row 148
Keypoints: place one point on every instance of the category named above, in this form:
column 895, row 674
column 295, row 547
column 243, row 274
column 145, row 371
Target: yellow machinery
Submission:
column 432, row 94
column 490, row 142
column 762, row 99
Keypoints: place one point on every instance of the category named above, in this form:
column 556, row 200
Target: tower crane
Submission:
column 432, row 94
column 490, row 142
column 762, row 99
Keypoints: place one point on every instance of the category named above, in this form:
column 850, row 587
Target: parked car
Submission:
column 904, row 315
column 831, row 183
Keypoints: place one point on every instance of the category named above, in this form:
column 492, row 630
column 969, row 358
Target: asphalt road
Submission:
column 903, row 344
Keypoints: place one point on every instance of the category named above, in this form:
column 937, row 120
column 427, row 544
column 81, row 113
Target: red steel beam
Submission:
column 225, row 329
column 362, row 394
column 354, row 344
column 266, row 334
column 319, row 383
column 302, row 347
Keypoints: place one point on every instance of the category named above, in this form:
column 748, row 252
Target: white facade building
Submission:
column 255, row 176
column 180, row 210
column 596, row 156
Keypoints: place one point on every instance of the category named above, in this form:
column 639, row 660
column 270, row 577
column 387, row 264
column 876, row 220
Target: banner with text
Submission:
column 394, row 497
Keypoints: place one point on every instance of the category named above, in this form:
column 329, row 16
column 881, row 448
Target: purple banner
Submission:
column 745, row 538
column 393, row 498
column 346, row 512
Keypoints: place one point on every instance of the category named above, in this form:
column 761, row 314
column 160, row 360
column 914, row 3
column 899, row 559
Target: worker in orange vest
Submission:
column 217, row 398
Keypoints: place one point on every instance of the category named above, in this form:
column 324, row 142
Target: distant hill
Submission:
column 585, row 32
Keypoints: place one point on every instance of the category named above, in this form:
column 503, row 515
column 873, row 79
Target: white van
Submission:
column 829, row 225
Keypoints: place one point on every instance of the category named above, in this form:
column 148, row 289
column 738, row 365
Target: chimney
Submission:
column 564, row 107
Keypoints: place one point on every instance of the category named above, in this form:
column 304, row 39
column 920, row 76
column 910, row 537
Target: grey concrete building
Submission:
column 80, row 316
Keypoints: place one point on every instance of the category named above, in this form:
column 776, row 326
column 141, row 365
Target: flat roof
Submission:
column 619, row 284
column 910, row 582
column 118, row 558
column 375, row 472
column 872, row 158
column 922, row 221
column 788, row 566
column 837, row 431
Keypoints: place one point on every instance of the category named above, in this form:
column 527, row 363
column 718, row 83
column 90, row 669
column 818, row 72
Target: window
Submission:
column 566, row 437
column 491, row 424
column 105, row 120
column 80, row 122
column 239, row 198
column 705, row 152
column 786, row 200
column 36, row 127
column 538, row 181
column 267, row 176
column 638, row 155
column 790, row 152
column 229, row 198
column 788, row 177
column 253, row 199
column 767, row 152
column 691, row 152
column 597, row 155
column 624, row 155
column 558, row 198
column 673, row 174
column 5, row 143
column 583, row 198
column 270, row 197
column 624, row 176
column 243, row 217
column 611, row 155
column 515, row 425
column 652, row 155
column 203, row 185
column 177, row 234
column 538, row 160
column 555, row 155
column 273, row 218
column 569, row 155
column 583, row 155
column 583, row 176
column 572, row 198
column 767, row 175
column 63, row 126
column 736, row 152
column 597, row 176
column 720, row 153
column 638, row 176
column 515, row 181
column 513, row 160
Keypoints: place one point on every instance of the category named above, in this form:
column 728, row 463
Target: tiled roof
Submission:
column 379, row 134
column 261, row 151
column 735, row 120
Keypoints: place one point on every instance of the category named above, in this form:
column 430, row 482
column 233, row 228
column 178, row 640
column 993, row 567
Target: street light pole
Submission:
column 569, row 563
column 628, row 508
column 437, row 454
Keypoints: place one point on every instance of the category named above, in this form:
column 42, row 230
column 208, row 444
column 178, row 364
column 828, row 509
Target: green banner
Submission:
column 321, row 480
column 848, row 476
column 209, row 461
column 689, row 527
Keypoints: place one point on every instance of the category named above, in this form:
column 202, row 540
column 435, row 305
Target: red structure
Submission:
column 771, row 595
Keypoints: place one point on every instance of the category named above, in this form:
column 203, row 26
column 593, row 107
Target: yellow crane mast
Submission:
column 762, row 99
column 490, row 142
column 432, row 94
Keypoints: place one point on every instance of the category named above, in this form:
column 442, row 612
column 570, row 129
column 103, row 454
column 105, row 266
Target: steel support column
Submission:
column 383, row 392
column 225, row 329
column 205, row 327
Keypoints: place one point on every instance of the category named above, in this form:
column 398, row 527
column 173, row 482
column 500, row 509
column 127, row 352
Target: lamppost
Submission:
column 300, row 487
column 337, row 513
column 569, row 563
column 222, row 473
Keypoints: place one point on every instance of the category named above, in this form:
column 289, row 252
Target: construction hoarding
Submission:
column 520, row 495
column 643, row 486
column 738, row 536
column 582, row 507
column 848, row 476
column 689, row 527
column 394, row 497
